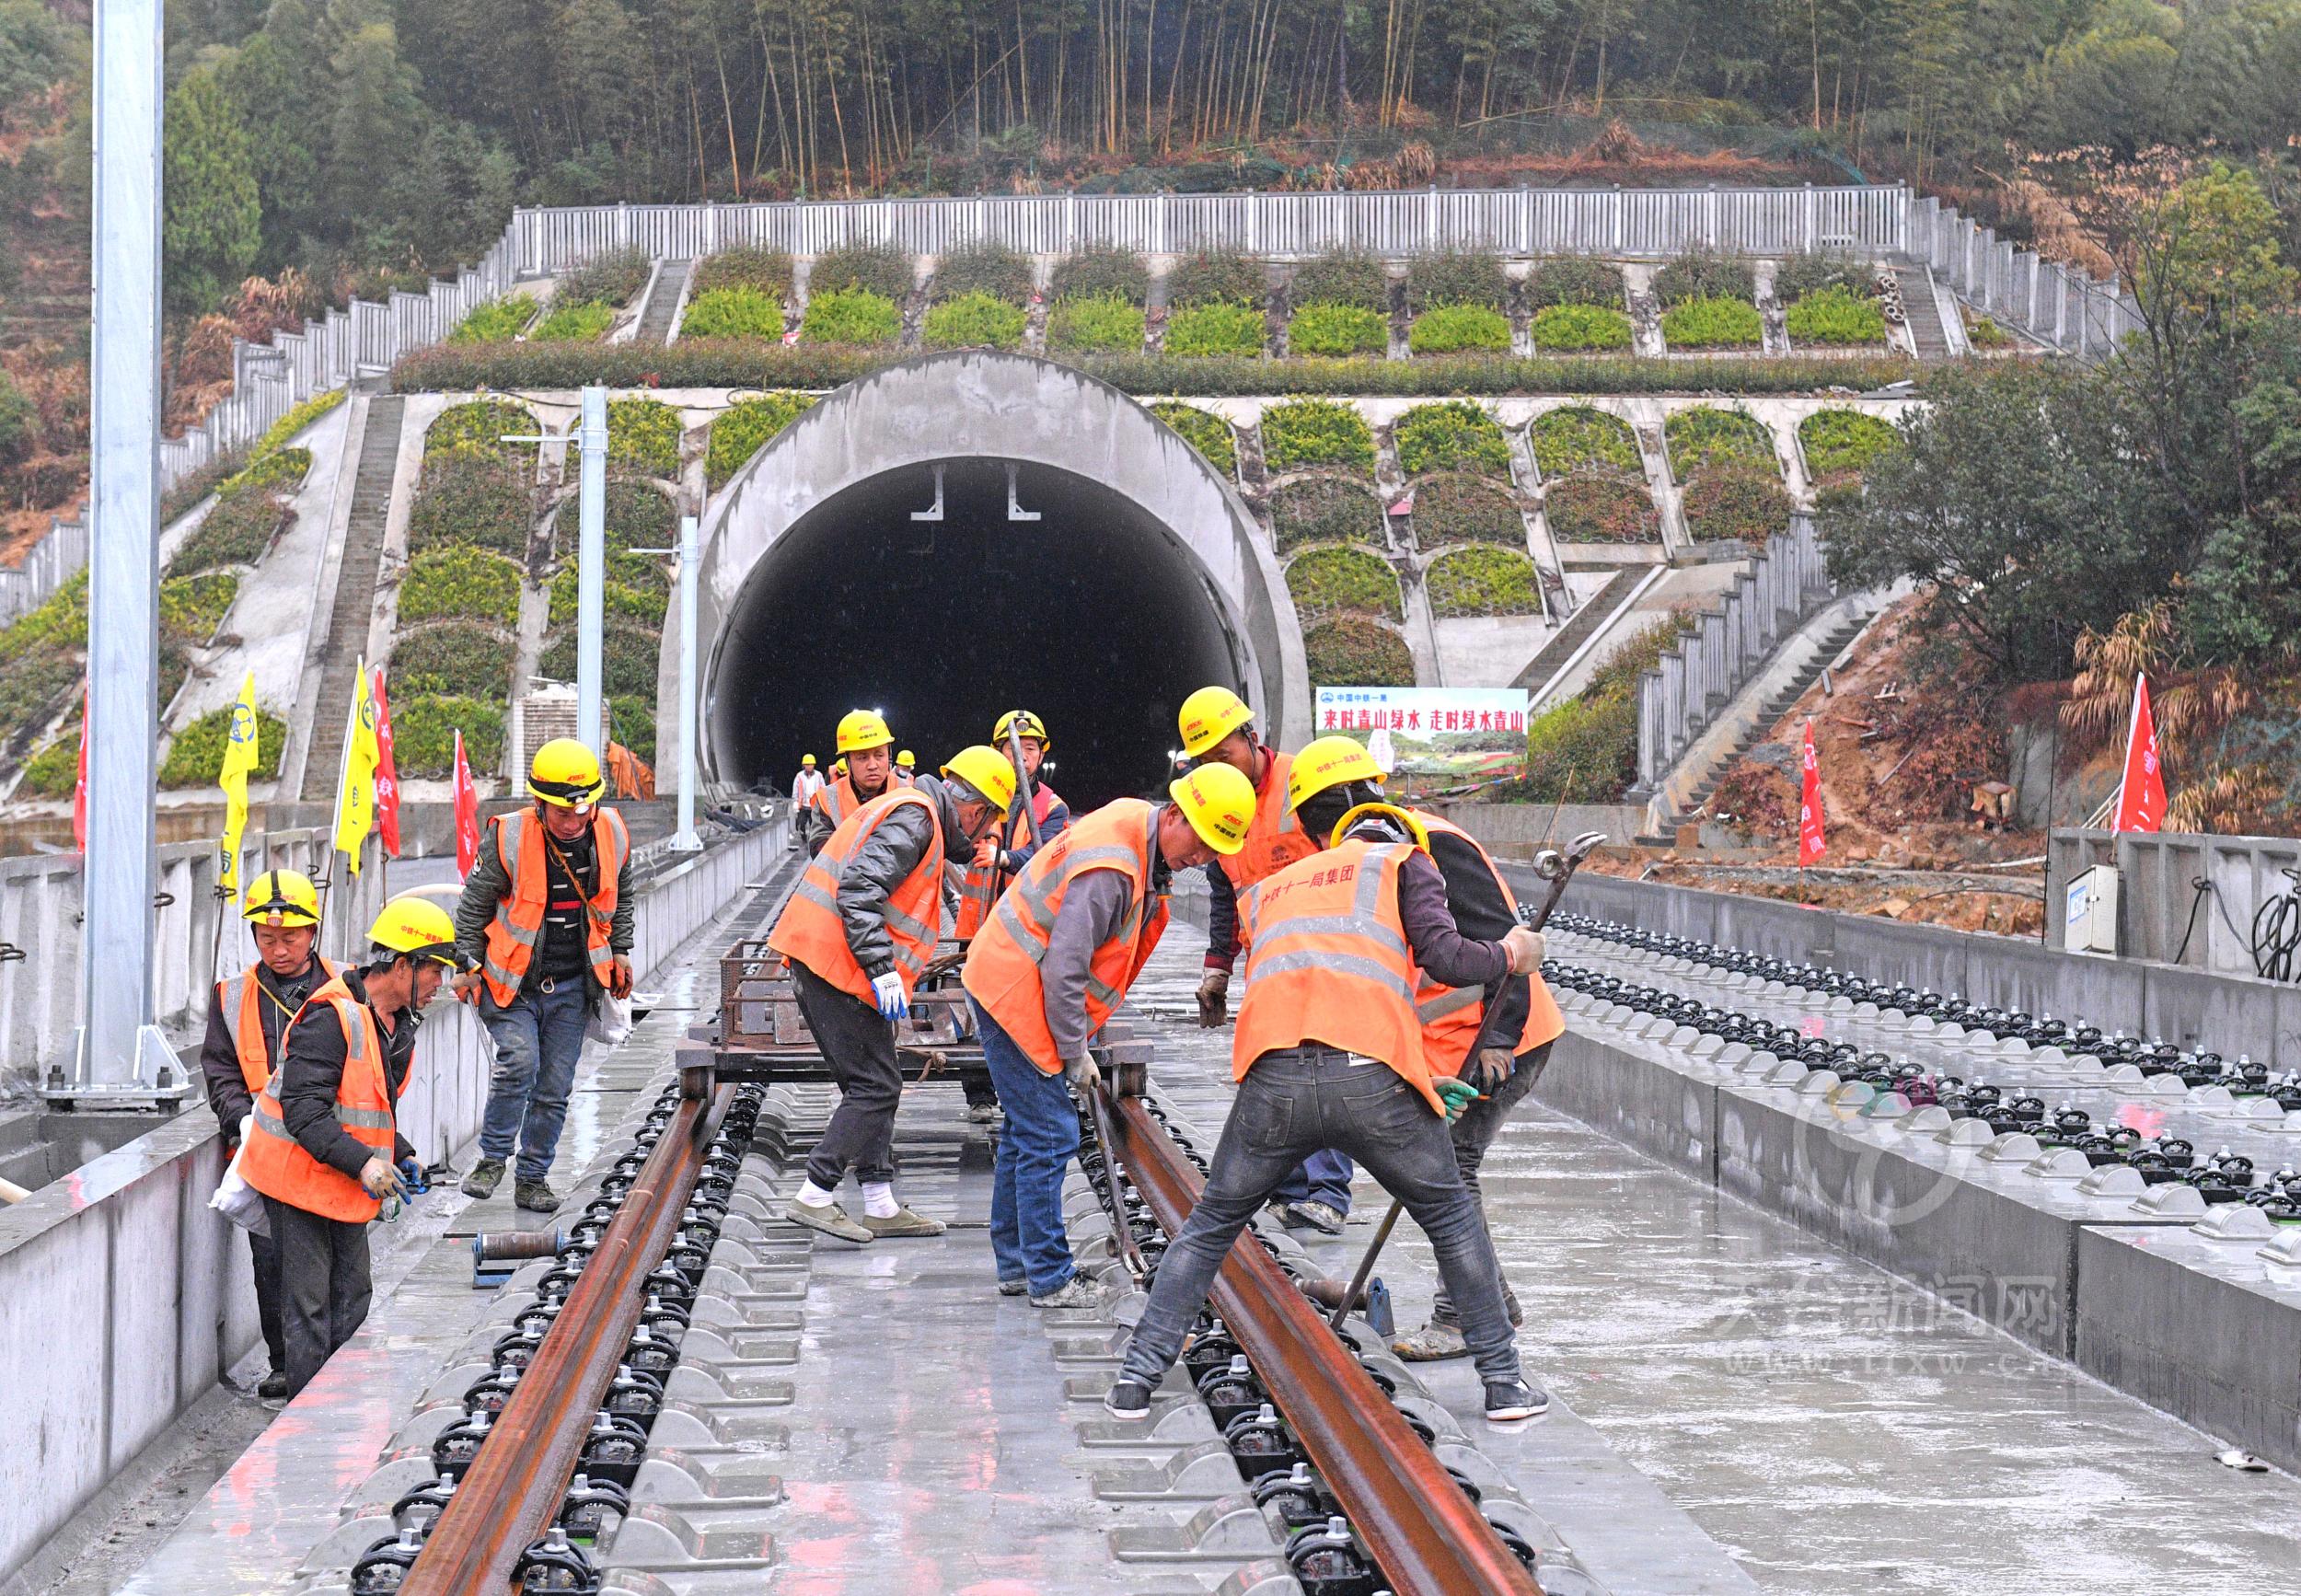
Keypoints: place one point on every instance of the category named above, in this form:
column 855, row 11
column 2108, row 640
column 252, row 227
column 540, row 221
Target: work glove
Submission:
column 411, row 1176
column 1490, row 1069
column 620, row 976
column 888, row 990
column 378, row 1179
column 1214, row 992
column 1525, row 948
column 1456, row 1094
column 1083, row 1074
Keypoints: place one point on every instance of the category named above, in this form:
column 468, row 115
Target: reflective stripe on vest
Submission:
column 1451, row 1016
column 1274, row 839
column 516, row 930
column 275, row 1163
column 241, row 999
column 812, row 930
column 984, row 883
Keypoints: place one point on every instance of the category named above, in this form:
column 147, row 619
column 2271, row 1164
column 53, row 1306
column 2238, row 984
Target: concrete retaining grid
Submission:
column 123, row 1299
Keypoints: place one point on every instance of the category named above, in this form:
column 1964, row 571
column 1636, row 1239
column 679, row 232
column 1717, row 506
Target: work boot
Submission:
column 485, row 1176
column 1509, row 1401
column 1076, row 1292
column 1324, row 1217
column 1432, row 1343
column 273, row 1387
column 982, row 1114
column 828, row 1218
column 534, row 1195
column 903, row 1221
column 1128, row 1400
column 1017, row 1286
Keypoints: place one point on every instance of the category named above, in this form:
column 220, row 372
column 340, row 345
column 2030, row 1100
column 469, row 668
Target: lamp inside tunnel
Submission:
column 1096, row 617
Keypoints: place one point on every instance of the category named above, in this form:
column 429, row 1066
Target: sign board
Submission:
column 1437, row 737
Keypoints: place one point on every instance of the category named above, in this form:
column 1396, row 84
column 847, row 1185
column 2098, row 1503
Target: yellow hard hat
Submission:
column 986, row 769
column 860, row 729
column 1328, row 762
column 908, row 760
column 565, row 773
column 281, row 898
column 806, row 761
column 1218, row 803
column 839, row 768
column 414, row 925
column 1406, row 821
column 1210, row 715
column 1024, row 725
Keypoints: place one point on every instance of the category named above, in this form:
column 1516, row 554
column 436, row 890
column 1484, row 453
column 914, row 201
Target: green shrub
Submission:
column 1324, row 510
column 1100, row 323
column 193, row 487
column 479, row 427
column 764, row 271
column 423, row 728
column 743, row 428
column 1484, row 582
column 1983, row 333
column 197, row 753
column 850, row 316
column 1317, row 432
column 1581, row 327
column 1468, row 277
column 1589, row 508
column 460, row 584
column 880, row 270
column 1713, row 324
column 1100, row 273
column 1837, row 318
column 54, row 771
column 1578, row 437
column 573, row 321
column 738, row 312
column 470, row 499
column 1220, row 278
column 608, row 279
column 638, row 517
column 1802, row 274
column 635, row 590
column 1452, row 435
column 643, row 435
column 972, row 320
column 1456, row 507
column 1836, row 442
column 32, row 689
column 1204, row 431
column 1582, row 751
column 1337, row 329
column 191, row 608
column 235, row 532
column 992, row 270
column 1216, row 328
column 298, row 416
column 1459, row 328
column 1345, row 278
column 498, row 319
column 629, row 655
column 1352, row 650
column 278, row 471
column 1695, row 276
column 1574, row 280
column 1328, row 580
column 456, row 657
column 631, row 722
column 1736, row 503
column 1706, row 436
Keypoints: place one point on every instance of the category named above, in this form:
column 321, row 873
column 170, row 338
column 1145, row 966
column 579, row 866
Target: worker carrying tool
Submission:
column 246, row 1015
column 1333, row 780
column 907, row 767
column 1059, row 951
column 865, row 771
column 858, row 930
column 323, row 1145
column 545, row 921
column 1329, row 1052
column 806, row 784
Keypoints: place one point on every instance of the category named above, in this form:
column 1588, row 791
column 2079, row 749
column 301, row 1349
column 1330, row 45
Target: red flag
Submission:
column 1808, row 805
column 386, row 773
column 467, row 815
column 79, row 784
column 2140, row 794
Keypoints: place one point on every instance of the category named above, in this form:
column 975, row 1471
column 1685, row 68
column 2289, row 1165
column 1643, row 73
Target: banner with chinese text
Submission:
column 1438, row 736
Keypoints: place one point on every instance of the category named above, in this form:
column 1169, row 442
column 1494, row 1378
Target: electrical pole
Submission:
column 690, row 557
column 591, row 559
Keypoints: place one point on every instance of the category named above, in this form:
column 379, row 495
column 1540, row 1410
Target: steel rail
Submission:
column 1429, row 1539
column 513, row 1489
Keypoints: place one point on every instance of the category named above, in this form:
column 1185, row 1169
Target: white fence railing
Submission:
column 50, row 563
column 2060, row 306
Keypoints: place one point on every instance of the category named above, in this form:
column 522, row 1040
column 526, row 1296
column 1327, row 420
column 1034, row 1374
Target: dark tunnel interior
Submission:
column 1096, row 618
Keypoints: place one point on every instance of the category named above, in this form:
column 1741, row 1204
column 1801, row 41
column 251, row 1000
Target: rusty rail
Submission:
column 513, row 1491
column 1427, row 1535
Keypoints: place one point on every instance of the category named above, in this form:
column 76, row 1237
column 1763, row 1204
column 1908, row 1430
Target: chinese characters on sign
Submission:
column 1456, row 733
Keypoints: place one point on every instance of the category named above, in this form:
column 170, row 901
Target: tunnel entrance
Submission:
column 1096, row 617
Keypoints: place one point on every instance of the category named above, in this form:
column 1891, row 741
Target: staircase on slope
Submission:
column 355, row 590
column 1596, row 611
column 1924, row 314
column 654, row 323
column 1833, row 644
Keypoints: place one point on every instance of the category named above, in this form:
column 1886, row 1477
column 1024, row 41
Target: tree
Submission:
column 211, row 219
column 374, row 129
column 35, row 50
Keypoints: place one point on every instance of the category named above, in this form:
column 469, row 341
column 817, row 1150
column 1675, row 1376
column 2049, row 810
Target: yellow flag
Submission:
column 355, row 800
column 239, row 757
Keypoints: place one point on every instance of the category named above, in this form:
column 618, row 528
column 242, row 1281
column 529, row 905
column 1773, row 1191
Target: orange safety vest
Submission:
column 1003, row 967
column 812, row 933
column 516, row 930
column 837, row 800
column 983, row 886
column 1327, row 962
column 1451, row 1015
column 241, row 999
column 275, row 1163
column 1274, row 839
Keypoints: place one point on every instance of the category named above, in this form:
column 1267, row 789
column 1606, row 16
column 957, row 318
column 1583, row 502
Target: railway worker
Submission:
column 1217, row 726
column 245, row 1019
column 1329, row 1052
column 907, row 768
column 545, row 921
column 857, row 931
column 1057, row 956
column 806, row 784
column 1332, row 778
column 865, row 771
column 323, row 1145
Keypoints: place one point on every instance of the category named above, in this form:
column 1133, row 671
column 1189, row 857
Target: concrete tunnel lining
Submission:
column 1146, row 577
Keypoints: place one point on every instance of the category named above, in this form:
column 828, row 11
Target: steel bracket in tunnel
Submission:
column 1015, row 512
column 934, row 511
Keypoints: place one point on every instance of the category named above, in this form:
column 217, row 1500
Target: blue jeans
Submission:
column 1323, row 1177
column 1041, row 1136
column 538, row 1037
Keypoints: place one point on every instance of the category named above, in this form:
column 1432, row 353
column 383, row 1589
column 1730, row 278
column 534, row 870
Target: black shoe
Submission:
column 485, row 1176
column 1128, row 1400
column 273, row 1387
column 1509, row 1401
column 535, row 1196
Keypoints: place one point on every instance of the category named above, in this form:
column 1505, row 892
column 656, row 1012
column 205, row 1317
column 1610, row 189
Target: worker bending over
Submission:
column 858, row 930
column 242, row 1048
column 865, row 770
column 323, row 1145
column 1329, row 1052
column 1018, row 732
column 1061, row 948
